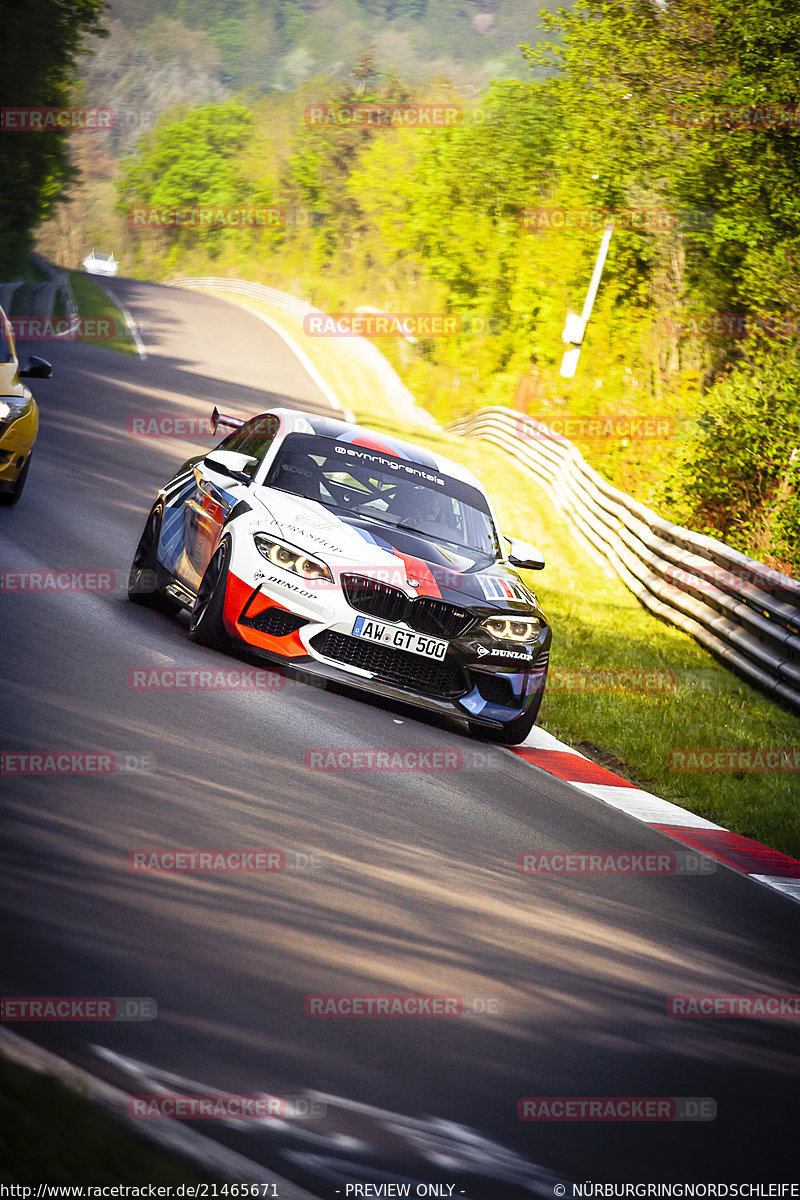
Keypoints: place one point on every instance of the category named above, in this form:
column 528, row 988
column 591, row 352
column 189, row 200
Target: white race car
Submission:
column 355, row 556
column 100, row 264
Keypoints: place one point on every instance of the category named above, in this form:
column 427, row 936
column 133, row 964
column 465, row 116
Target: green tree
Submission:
column 641, row 81
column 738, row 475
column 326, row 154
column 191, row 162
column 41, row 41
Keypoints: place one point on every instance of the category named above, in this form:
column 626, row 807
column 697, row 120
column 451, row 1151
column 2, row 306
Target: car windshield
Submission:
column 394, row 491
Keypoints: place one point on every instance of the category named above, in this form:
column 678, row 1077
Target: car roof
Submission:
column 294, row 421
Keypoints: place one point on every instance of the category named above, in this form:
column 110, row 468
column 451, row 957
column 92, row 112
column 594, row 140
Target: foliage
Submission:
column 681, row 115
column 738, row 475
column 41, row 40
column 269, row 45
column 691, row 107
column 190, row 163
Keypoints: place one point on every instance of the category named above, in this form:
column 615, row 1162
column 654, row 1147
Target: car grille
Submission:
column 387, row 603
column 374, row 598
column 410, row 671
column 276, row 622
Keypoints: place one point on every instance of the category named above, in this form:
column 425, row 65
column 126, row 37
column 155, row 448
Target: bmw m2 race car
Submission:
column 356, row 556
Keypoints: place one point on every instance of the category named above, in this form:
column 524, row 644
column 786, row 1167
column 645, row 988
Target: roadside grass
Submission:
column 94, row 302
column 52, row 1134
column 687, row 700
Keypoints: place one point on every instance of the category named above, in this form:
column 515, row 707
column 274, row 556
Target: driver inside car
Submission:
column 429, row 511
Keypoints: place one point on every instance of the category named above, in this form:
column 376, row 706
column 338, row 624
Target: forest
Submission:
column 676, row 123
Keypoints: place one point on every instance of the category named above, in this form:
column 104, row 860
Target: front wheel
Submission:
column 144, row 586
column 206, row 624
column 11, row 498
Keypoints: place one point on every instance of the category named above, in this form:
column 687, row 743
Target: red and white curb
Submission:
column 761, row 863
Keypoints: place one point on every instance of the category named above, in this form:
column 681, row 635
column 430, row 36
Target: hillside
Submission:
column 163, row 52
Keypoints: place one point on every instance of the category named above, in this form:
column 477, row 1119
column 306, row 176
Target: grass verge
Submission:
column 51, row 1134
column 94, row 303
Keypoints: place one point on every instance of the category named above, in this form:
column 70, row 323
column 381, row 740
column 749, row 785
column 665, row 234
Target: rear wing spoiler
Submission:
column 224, row 420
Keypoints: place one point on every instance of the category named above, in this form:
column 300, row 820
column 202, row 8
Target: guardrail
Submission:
column 58, row 281
column 742, row 611
column 369, row 356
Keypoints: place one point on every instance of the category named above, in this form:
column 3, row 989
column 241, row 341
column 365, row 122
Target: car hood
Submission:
column 426, row 567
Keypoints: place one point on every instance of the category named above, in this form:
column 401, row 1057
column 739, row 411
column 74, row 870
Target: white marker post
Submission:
column 575, row 326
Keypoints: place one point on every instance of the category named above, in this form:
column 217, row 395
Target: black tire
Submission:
column 513, row 732
column 9, row 499
column 206, row 625
column 144, row 580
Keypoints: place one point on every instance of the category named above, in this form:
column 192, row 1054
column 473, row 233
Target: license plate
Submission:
column 400, row 639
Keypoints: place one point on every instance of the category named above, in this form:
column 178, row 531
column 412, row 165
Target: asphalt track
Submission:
column 415, row 887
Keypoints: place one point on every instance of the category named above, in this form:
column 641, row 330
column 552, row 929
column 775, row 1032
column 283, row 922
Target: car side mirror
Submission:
column 522, row 554
column 36, row 368
column 229, row 462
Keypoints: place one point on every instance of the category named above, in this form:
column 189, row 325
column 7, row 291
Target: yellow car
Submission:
column 19, row 416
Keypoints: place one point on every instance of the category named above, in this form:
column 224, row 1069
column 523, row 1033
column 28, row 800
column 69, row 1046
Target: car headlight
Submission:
column 12, row 407
column 290, row 559
column 513, row 629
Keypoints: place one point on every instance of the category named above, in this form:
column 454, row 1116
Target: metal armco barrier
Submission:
column 742, row 611
column 58, row 282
